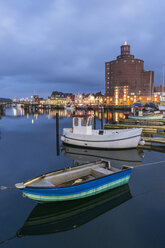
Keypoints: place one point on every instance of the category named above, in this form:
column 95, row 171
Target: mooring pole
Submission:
column 107, row 116
column 57, row 135
column 94, row 120
column 102, row 119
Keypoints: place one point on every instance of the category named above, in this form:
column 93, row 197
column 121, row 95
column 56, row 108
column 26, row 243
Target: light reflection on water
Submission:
column 19, row 111
column 28, row 150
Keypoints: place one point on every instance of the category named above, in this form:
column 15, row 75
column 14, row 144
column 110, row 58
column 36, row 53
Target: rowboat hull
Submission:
column 120, row 139
column 82, row 190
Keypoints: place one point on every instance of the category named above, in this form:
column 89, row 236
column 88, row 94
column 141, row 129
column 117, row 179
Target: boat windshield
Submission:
column 84, row 121
column 76, row 121
column 90, row 120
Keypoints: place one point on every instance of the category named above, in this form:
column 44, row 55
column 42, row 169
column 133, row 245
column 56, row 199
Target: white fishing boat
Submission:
column 82, row 134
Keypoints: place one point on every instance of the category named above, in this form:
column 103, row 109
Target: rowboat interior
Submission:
column 73, row 176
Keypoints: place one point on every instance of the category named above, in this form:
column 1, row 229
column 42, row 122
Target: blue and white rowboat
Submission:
column 75, row 183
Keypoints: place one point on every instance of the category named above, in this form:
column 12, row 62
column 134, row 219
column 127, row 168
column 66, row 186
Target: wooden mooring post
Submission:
column 94, row 119
column 102, row 118
column 57, row 135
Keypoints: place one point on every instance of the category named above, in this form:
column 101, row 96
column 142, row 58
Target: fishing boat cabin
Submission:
column 82, row 124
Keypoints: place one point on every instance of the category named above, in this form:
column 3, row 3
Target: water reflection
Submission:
column 60, row 217
column 155, row 148
column 19, row 111
column 129, row 157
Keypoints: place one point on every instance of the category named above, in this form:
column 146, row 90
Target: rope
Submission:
column 7, row 187
column 136, row 166
column 4, row 241
column 152, row 163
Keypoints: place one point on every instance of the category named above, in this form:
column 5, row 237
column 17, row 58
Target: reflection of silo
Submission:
column 127, row 71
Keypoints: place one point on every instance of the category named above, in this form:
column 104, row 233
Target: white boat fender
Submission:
column 142, row 142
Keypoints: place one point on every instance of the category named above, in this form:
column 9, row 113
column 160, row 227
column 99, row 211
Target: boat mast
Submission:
column 163, row 80
column 151, row 86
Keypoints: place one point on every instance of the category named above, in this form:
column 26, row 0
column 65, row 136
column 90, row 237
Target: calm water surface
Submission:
column 133, row 216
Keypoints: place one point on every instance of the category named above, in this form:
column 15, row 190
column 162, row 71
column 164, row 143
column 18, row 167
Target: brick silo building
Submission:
column 125, row 78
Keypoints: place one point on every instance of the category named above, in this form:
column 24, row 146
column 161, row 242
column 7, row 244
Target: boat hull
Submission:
column 78, row 191
column 151, row 117
column 115, row 139
column 162, row 107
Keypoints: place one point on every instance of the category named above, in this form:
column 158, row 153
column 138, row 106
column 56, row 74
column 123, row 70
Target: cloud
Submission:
column 63, row 43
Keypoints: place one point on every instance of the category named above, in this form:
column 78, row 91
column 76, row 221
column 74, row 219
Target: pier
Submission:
column 146, row 129
column 159, row 140
column 149, row 127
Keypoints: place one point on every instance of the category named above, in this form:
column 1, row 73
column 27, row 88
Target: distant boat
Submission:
column 75, row 183
column 82, row 134
column 138, row 113
column 57, row 217
column 147, row 116
column 69, row 107
column 151, row 107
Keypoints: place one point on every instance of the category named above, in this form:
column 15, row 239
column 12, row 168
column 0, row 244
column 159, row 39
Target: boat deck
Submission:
column 72, row 177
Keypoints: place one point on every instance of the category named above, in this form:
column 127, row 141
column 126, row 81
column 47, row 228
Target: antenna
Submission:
column 163, row 79
column 151, row 84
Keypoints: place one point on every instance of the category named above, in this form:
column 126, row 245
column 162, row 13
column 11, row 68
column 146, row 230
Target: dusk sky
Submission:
column 63, row 45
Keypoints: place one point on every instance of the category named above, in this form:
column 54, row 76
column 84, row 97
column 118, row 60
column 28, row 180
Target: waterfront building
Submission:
column 58, row 101
column 159, row 89
column 79, row 99
column 126, row 81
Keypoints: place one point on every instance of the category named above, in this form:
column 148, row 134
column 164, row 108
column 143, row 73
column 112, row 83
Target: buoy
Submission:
column 142, row 142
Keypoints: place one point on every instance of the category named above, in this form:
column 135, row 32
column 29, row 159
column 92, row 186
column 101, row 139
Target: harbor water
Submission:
column 130, row 216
